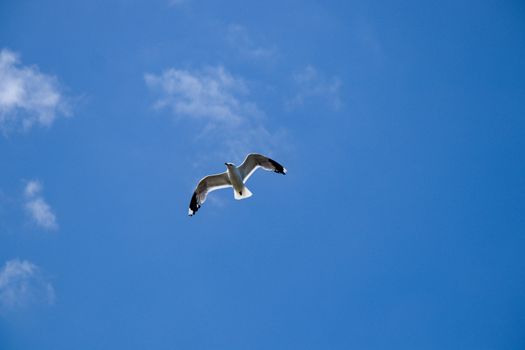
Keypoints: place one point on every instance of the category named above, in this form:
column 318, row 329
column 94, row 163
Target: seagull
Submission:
column 234, row 176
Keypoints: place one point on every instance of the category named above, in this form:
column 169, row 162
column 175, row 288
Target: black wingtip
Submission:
column 279, row 169
column 194, row 206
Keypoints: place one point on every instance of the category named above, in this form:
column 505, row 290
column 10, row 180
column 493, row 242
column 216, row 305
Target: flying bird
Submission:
column 235, row 177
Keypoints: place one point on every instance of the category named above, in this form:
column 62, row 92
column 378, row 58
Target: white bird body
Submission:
column 235, row 177
column 240, row 191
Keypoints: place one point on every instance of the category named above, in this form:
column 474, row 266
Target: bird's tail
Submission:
column 245, row 193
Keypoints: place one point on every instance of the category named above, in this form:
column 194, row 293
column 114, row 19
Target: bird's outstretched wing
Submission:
column 253, row 161
column 206, row 185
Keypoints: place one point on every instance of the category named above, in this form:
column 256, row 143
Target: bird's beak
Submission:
column 226, row 164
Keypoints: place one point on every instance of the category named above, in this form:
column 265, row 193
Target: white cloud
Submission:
column 37, row 208
column 237, row 36
column 33, row 188
column 27, row 97
column 310, row 84
column 218, row 101
column 211, row 95
column 22, row 283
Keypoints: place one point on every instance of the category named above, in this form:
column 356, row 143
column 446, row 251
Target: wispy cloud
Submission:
column 27, row 96
column 211, row 95
column 37, row 208
column 219, row 103
column 237, row 36
column 312, row 84
column 22, row 283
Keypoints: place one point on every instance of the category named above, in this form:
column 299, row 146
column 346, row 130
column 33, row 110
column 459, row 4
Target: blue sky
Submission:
column 400, row 223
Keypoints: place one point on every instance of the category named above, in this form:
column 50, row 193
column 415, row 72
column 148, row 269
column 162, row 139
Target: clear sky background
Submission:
column 400, row 224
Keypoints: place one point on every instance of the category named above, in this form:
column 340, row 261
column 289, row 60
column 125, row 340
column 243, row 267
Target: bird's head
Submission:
column 229, row 165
